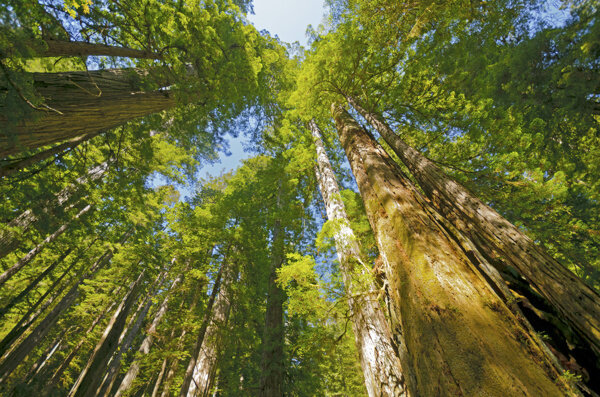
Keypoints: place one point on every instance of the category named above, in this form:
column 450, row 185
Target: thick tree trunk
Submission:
column 144, row 349
column 91, row 376
column 499, row 240
column 60, row 48
column 84, row 103
column 272, row 362
column 460, row 337
column 15, row 357
column 4, row 277
column 205, row 368
column 9, row 240
column 378, row 355
column 189, row 372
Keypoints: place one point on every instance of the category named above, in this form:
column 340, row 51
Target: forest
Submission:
column 419, row 215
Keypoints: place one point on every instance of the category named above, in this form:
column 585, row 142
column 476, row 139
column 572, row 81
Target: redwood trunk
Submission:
column 91, row 376
column 500, row 240
column 460, row 337
column 272, row 363
column 84, row 103
column 378, row 356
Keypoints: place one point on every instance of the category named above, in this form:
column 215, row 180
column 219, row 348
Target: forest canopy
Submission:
column 419, row 214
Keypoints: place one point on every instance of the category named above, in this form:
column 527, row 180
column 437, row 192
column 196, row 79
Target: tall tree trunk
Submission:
column 159, row 379
column 206, row 362
column 272, row 361
column 9, row 240
column 84, row 103
column 144, row 349
column 460, row 337
column 378, row 355
column 15, row 357
column 15, row 166
column 4, row 277
column 91, row 376
column 499, row 240
column 61, row 48
column 189, row 372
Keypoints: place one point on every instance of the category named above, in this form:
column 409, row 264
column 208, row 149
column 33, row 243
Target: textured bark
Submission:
column 378, row 356
column 460, row 337
column 4, row 277
column 206, row 363
column 144, row 348
column 15, row 357
column 499, row 240
column 10, row 239
column 85, row 103
column 189, row 372
column 15, row 166
column 272, row 361
column 91, row 376
column 60, row 48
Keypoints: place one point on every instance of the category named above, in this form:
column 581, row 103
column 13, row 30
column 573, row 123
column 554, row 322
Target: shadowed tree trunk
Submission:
column 460, row 337
column 272, row 361
column 85, row 103
column 4, row 277
column 91, row 376
column 144, row 349
column 61, row 48
column 378, row 357
column 498, row 239
column 189, row 372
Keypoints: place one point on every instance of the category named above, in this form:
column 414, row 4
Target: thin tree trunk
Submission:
column 9, row 240
column 91, row 376
column 16, row 356
column 460, row 337
column 272, row 361
column 499, row 240
column 378, row 355
column 158, row 383
column 187, row 379
column 144, row 349
column 60, row 48
column 85, row 103
column 15, row 166
column 4, row 277
column 205, row 368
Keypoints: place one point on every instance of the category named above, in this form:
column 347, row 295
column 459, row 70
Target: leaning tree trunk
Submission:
column 272, row 362
column 460, row 337
column 4, row 277
column 16, row 356
column 206, row 363
column 500, row 240
column 10, row 239
column 84, row 103
column 91, row 376
column 378, row 352
column 144, row 349
column 189, row 372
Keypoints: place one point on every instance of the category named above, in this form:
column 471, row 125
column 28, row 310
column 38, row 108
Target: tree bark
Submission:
column 144, row 349
column 378, row 355
column 206, row 362
column 61, row 48
column 272, row 361
column 499, row 240
column 16, row 356
column 91, row 376
column 84, row 103
column 4, row 277
column 460, row 337
column 158, row 382
column 189, row 372
column 10, row 239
